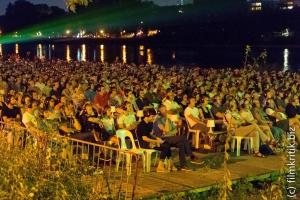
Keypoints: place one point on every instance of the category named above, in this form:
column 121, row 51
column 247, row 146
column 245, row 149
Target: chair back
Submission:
column 122, row 134
column 188, row 124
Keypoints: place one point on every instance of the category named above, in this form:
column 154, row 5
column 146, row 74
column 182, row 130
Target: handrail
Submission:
column 55, row 136
column 95, row 144
column 115, row 179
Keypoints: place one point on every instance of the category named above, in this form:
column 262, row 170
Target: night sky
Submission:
column 61, row 3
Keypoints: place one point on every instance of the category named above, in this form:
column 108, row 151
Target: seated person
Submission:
column 91, row 124
column 192, row 115
column 292, row 111
column 141, row 101
column 10, row 112
column 247, row 116
column 238, row 127
column 166, row 130
column 70, row 124
column 273, row 113
column 148, row 141
column 205, row 108
column 29, row 119
column 218, row 110
column 262, row 119
column 109, row 129
column 33, row 123
column 108, row 121
column 127, row 119
column 278, row 118
column 172, row 107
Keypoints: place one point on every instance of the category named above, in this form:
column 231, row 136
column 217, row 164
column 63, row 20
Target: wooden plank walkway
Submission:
column 151, row 185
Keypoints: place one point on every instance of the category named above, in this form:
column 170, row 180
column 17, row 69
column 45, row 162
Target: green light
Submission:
column 114, row 17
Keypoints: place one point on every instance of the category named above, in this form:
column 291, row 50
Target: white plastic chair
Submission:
column 238, row 140
column 148, row 154
column 122, row 134
column 195, row 136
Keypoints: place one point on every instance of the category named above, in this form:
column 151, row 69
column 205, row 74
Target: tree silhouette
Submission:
column 22, row 13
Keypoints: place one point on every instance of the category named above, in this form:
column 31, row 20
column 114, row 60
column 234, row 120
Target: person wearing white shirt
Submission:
column 192, row 115
column 173, row 108
column 108, row 122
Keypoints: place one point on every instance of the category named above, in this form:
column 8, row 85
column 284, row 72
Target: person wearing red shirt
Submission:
column 101, row 99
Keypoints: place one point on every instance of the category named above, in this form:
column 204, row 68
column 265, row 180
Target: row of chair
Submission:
column 248, row 144
column 146, row 154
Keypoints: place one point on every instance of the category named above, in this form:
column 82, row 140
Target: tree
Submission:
column 21, row 14
column 71, row 4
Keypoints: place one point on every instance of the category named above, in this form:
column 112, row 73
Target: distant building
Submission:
column 258, row 5
column 255, row 5
column 287, row 4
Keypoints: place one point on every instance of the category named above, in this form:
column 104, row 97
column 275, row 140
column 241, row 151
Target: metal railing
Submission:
column 113, row 173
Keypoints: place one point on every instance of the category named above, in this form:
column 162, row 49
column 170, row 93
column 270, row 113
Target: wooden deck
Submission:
column 152, row 185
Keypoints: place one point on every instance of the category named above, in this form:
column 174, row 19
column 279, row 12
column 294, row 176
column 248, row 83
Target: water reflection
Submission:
column 17, row 48
column 1, row 52
column 286, row 53
column 95, row 55
column 173, row 55
column 68, row 51
column 78, row 55
column 50, row 51
column 102, row 54
column 81, row 53
column 124, row 56
column 145, row 53
column 141, row 52
column 40, row 51
column 149, row 56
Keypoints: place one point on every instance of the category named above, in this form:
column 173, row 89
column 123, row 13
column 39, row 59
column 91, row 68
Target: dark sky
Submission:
column 60, row 3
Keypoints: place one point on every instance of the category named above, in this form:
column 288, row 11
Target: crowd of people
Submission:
column 90, row 101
